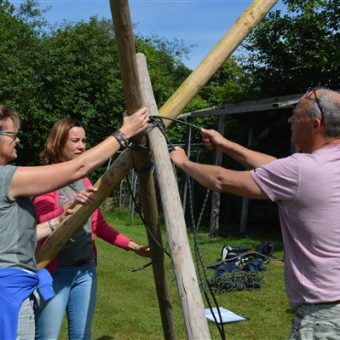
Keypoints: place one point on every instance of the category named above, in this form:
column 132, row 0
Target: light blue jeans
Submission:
column 75, row 289
column 316, row 322
column 26, row 321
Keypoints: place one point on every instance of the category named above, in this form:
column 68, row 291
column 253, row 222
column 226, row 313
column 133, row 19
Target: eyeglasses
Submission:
column 11, row 134
column 313, row 91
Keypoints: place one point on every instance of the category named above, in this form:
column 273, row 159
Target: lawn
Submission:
column 127, row 306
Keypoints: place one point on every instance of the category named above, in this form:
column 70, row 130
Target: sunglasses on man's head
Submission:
column 309, row 95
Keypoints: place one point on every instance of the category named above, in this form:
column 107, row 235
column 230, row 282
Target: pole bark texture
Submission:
column 142, row 164
column 190, row 295
column 171, row 108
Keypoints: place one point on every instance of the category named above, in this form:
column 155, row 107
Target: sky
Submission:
column 198, row 23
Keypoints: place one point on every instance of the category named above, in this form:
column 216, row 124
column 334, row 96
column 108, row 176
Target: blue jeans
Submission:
column 26, row 321
column 75, row 289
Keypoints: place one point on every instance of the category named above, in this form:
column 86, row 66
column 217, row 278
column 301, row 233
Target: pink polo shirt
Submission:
column 306, row 188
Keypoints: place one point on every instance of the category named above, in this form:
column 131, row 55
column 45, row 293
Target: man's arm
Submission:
column 217, row 178
column 248, row 158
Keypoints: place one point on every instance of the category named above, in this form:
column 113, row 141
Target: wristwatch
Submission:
column 121, row 138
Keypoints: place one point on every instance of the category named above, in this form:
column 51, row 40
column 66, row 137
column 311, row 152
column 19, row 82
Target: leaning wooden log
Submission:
column 48, row 252
column 71, row 224
column 211, row 63
column 193, row 311
column 185, row 93
column 142, row 163
column 190, row 296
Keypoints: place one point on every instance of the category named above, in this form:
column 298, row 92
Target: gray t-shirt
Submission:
column 17, row 226
column 79, row 249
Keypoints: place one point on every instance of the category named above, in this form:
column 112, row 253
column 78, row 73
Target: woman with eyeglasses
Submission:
column 18, row 273
column 74, row 268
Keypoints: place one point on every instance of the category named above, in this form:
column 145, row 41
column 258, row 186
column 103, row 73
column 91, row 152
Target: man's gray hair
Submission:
column 331, row 109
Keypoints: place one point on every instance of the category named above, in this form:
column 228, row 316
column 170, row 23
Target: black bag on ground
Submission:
column 240, row 267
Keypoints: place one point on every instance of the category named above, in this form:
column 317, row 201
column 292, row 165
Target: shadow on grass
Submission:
column 105, row 337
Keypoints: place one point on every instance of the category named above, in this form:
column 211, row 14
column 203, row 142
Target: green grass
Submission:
column 127, row 306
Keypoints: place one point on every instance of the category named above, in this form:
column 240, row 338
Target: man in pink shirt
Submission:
column 306, row 188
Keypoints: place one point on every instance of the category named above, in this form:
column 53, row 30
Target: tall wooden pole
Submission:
column 189, row 292
column 211, row 63
column 184, row 93
column 129, row 72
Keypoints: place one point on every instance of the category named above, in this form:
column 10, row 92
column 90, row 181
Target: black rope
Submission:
column 136, row 146
column 160, row 125
column 158, row 122
column 201, row 266
column 145, row 224
column 142, row 267
column 158, row 117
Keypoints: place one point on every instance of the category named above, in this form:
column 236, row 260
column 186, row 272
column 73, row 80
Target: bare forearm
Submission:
column 219, row 179
column 45, row 229
column 248, row 158
column 33, row 181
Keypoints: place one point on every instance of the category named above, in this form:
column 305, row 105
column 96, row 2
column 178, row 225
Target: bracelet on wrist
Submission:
column 121, row 138
column 50, row 225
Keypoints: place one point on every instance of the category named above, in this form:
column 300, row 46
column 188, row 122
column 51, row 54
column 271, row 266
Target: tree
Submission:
column 19, row 55
column 289, row 52
column 71, row 70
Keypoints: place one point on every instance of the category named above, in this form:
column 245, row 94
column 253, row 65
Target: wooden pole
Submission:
column 211, row 63
column 184, row 94
column 71, row 224
column 121, row 17
column 129, row 72
column 190, row 296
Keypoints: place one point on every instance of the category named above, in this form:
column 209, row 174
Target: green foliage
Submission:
column 72, row 70
column 229, row 84
column 289, row 52
column 19, row 53
column 79, row 77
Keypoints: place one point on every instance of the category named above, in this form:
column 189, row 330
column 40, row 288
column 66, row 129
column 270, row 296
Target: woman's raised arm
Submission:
column 36, row 180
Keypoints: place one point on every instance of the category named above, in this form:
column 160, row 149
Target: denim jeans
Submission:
column 75, row 289
column 26, row 321
column 316, row 322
